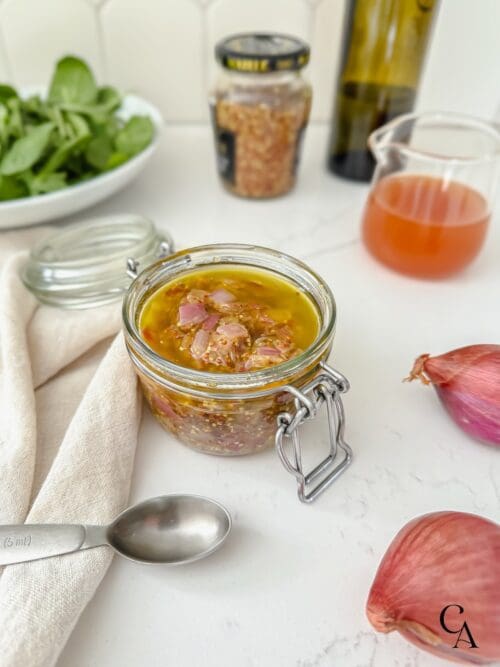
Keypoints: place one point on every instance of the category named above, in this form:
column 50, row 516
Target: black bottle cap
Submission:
column 261, row 53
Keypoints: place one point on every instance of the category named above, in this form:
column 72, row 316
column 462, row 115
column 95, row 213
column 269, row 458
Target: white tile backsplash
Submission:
column 5, row 74
column 326, row 37
column 38, row 32
column 291, row 16
column 155, row 48
column 463, row 68
column 163, row 49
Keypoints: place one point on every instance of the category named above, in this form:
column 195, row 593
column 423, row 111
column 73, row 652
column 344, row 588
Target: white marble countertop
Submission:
column 289, row 588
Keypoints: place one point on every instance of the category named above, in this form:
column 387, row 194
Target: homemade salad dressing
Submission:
column 230, row 341
column 229, row 319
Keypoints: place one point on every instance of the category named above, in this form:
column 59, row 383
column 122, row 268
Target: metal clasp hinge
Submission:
column 325, row 388
column 165, row 248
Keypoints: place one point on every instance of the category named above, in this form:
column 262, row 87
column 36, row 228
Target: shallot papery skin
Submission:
column 467, row 381
column 442, row 561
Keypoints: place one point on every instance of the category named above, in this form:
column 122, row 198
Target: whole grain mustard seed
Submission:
column 266, row 145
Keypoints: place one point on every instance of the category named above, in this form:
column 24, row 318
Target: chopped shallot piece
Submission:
column 163, row 406
column 227, row 344
column 211, row 322
column 264, row 318
column 262, row 357
column 221, row 297
column 232, row 330
column 267, row 351
column 192, row 313
column 196, row 296
column 200, row 343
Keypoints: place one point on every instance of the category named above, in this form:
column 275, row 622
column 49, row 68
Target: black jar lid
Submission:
column 261, row 53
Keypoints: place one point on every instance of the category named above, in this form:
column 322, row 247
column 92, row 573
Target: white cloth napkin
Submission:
column 69, row 416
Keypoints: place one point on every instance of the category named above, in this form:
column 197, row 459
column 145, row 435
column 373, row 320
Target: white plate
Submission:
column 41, row 208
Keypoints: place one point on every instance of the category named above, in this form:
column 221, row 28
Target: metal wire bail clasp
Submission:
column 325, row 388
column 165, row 248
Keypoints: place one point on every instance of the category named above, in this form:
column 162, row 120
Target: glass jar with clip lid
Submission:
column 244, row 403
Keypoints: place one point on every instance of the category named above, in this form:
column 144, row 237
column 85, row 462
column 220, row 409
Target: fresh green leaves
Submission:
column 135, row 136
column 6, row 92
column 73, row 82
column 39, row 185
column 98, row 152
column 12, row 188
column 72, row 136
column 26, row 151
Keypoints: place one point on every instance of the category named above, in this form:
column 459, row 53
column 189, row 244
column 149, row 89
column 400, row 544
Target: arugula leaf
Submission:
column 135, row 135
column 27, row 150
column 101, row 155
column 108, row 129
column 4, row 124
column 116, row 159
column 73, row 82
column 61, row 154
column 79, row 125
column 108, row 98
column 16, row 125
column 12, row 188
column 43, row 183
column 34, row 106
column 98, row 113
column 7, row 92
column 77, row 166
column 56, row 115
column 98, row 152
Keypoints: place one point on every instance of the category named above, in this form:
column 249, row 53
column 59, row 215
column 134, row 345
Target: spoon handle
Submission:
column 24, row 542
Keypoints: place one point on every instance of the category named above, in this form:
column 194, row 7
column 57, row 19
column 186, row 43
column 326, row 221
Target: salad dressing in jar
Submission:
column 260, row 108
column 229, row 341
column 247, row 403
column 226, row 319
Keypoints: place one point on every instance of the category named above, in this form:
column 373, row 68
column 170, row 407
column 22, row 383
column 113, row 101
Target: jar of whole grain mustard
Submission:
column 260, row 108
column 237, row 360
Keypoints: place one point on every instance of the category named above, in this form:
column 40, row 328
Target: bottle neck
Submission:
column 385, row 42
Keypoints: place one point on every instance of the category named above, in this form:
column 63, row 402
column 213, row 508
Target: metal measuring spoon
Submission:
column 173, row 529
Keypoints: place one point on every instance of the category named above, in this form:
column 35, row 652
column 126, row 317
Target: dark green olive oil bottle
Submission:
column 383, row 52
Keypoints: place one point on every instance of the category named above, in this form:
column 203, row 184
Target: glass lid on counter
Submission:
column 85, row 264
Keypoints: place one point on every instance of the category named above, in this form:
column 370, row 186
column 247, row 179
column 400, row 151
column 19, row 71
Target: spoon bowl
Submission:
column 170, row 529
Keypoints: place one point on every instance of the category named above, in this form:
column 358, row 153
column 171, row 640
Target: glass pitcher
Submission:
column 432, row 192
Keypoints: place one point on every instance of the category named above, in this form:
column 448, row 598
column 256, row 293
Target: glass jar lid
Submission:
column 85, row 264
column 261, row 53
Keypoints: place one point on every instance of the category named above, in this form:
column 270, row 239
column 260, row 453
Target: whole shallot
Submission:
column 467, row 381
column 439, row 586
